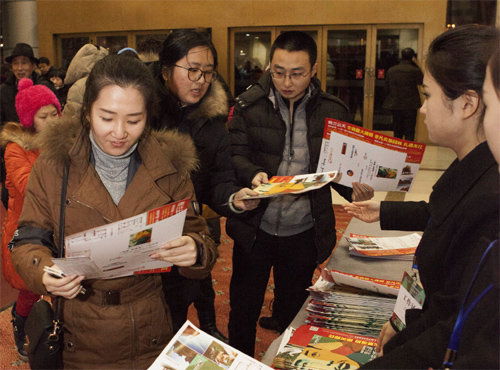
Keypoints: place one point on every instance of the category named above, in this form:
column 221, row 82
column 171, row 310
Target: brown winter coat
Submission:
column 131, row 334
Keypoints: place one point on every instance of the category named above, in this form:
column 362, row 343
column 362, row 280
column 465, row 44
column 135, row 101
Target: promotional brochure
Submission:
column 312, row 347
column 348, row 309
column 361, row 155
column 124, row 247
column 284, row 185
column 395, row 247
column 191, row 349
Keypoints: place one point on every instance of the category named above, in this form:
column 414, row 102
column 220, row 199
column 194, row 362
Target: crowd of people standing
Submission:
column 135, row 134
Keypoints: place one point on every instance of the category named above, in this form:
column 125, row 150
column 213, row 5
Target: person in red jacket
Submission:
column 35, row 105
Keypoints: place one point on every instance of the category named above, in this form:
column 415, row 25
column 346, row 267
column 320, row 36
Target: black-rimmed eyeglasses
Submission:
column 194, row 74
column 294, row 76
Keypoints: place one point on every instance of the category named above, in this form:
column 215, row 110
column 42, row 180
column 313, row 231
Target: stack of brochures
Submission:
column 312, row 347
column 348, row 309
column 399, row 247
column 192, row 348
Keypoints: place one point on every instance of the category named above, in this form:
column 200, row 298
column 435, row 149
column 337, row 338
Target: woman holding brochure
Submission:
column 463, row 207
column 118, row 168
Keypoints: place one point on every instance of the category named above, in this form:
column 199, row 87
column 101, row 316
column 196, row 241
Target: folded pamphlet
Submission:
column 395, row 247
column 286, row 185
column 192, row 348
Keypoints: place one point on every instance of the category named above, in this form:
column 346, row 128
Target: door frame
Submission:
column 371, row 63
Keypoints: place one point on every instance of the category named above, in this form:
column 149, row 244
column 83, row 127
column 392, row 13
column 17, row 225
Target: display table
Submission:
column 340, row 260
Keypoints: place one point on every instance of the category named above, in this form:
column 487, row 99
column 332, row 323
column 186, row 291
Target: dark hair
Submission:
column 177, row 45
column 57, row 72
column 44, row 60
column 494, row 67
column 123, row 71
column 457, row 58
column 149, row 45
column 296, row 41
column 407, row 54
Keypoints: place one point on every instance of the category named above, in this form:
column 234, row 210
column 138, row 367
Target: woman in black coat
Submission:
column 463, row 206
column 194, row 101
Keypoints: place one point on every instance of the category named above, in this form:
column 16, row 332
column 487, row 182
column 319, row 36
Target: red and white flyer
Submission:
column 123, row 248
column 384, row 162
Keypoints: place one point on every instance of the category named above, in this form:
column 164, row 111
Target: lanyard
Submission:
column 451, row 351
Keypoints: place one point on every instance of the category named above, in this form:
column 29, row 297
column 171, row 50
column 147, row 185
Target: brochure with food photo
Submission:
column 360, row 155
column 192, row 348
column 124, row 247
column 285, row 185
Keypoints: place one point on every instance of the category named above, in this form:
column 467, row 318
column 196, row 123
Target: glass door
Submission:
column 250, row 49
column 352, row 62
column 357, row 59
column 389, row 43
column 346, row 52
column 250, row 57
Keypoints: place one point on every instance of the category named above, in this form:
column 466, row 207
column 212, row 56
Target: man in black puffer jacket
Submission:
column 277, row 129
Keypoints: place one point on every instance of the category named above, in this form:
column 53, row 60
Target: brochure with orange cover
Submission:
column 312, row 347
column 284, row 185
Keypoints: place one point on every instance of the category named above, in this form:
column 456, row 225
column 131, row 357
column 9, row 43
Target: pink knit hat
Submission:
column 31, row 98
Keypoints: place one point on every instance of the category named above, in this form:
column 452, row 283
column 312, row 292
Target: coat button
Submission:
column 70, row 347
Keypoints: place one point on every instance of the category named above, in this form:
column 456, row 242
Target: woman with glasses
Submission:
column 193, row 101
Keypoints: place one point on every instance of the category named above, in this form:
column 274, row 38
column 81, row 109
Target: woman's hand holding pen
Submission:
column 367, row 211
column 180, row 252
column 241, row 202
column 67, row 287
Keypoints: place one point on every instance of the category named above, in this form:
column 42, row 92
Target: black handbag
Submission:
column 43, row 326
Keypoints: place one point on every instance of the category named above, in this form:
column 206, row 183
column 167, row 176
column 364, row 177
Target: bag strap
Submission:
column 62, row 214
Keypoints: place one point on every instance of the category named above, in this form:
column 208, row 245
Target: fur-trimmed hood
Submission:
column 59, row 138
column 13, row 132
column 213, row 104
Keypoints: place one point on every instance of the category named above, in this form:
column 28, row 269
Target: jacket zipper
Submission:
column 278, row 221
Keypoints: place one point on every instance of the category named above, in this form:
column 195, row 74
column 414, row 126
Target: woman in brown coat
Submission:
column 118, row 168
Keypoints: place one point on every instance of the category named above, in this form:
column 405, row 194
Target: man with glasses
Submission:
column 277, row 129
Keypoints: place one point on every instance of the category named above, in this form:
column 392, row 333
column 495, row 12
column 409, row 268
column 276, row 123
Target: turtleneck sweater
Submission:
column 112, row 169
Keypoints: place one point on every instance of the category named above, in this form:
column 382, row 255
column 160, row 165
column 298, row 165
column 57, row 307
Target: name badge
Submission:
column 411, row 296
